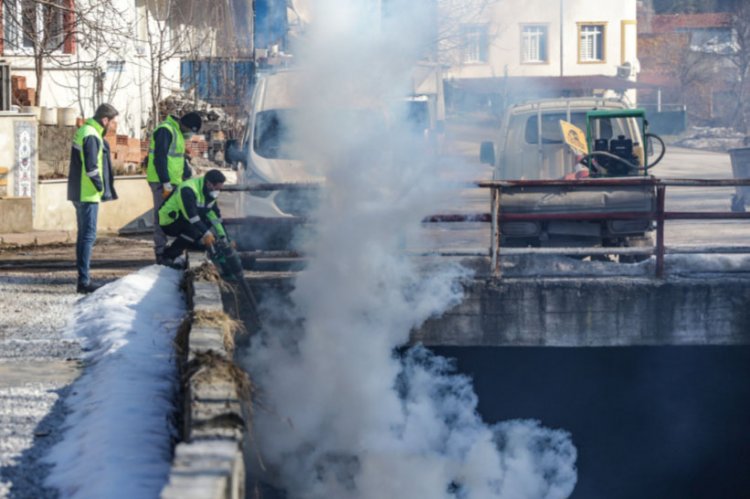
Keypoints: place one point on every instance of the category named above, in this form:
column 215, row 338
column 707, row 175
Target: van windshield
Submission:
column 276, row 132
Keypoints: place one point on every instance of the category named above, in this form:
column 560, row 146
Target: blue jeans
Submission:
column 86, row 214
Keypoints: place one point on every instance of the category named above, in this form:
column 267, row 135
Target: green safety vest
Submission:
column 91, row 128
column 174, row 207
column 175, row 156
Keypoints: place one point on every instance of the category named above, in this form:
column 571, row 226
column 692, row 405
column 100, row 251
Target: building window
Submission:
column 30, row 24
column 533, row 43
column 115, row 66
column 591, row 39
column 475, row 43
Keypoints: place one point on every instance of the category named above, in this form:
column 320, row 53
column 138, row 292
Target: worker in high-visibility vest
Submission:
column 192, row 216
column 167, row 166
column 90, row 181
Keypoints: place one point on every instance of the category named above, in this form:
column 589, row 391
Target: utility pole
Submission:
column 561, row 38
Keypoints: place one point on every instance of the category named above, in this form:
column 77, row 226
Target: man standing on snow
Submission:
column 190, row 215
column 90, row 181
column 167, row 167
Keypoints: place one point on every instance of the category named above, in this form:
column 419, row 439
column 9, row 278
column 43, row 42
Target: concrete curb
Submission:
column 209, row 463
column 36, row 238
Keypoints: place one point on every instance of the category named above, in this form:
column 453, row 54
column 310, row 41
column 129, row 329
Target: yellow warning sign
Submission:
column 574, row 137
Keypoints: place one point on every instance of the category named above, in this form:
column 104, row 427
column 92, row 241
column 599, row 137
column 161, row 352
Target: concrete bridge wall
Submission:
column 596, row 312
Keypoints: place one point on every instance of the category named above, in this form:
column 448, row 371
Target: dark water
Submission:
column 648, row 422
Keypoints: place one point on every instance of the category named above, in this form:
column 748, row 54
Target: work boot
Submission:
column 87, row 288
column 179, row 263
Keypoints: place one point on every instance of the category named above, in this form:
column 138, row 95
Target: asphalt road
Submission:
column 37, row 365
column 690, row 163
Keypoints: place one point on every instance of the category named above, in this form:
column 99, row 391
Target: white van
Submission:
column 267, row 153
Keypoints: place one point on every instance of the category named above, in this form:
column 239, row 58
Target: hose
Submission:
column 661, row 155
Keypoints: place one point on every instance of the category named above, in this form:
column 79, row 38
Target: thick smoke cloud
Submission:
column 342, row 413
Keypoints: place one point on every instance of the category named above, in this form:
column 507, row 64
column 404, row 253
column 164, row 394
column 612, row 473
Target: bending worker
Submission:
column 192, row 215
column 167, row 167
column 90, row 181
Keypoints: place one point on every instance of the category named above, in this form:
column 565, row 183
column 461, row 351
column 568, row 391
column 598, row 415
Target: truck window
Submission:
column 604, row 128
column 272, row 137
column 551, row 133
column 418, row 115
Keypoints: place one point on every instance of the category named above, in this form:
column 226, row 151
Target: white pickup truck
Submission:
column 530, row 146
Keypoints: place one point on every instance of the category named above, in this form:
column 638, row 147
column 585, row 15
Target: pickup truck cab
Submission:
column 530, row 146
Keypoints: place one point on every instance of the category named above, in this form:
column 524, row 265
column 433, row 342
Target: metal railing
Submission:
column 658, row 215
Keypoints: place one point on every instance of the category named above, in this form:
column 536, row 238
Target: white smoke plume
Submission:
column 342, row 413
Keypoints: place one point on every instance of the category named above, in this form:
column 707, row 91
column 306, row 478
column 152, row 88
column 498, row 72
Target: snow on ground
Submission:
column 118, row 433
column 713, row 139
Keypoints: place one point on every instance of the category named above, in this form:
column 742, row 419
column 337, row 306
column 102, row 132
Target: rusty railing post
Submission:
column 660, row 203
column 496, row 193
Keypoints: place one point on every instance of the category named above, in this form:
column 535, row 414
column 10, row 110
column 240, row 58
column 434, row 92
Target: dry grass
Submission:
column 228, row 326
column 211, row 367
column 204, row 272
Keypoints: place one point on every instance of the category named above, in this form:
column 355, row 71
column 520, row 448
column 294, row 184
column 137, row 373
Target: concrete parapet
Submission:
column 209, row 463
column 596, row 312
column 206, row 470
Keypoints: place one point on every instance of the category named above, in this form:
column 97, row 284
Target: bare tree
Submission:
column 49, row 31
column 183, row 29
column 458, row 16
column 671, row 54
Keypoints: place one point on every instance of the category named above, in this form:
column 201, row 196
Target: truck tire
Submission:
column 738, row 204
column 642, row 241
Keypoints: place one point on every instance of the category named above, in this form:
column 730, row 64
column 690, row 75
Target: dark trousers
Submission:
column 187, row 237
column 160, row 240
column 86, row 215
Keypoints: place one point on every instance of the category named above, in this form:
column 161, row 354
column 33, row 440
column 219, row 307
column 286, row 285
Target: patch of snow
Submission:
column 711, row 138
column 118, row 435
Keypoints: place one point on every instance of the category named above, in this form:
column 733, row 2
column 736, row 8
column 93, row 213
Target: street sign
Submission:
column 574, row 137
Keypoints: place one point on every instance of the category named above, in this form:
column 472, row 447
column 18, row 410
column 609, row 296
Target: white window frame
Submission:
column 534, row 43
column 13, row 33
column 592, row 38
column 475, row 46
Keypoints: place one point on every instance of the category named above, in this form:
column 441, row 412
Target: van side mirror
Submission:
column 487, row 153
column 233, row 153
column 649, row 146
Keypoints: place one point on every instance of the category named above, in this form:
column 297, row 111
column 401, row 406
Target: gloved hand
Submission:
column 208, row 239
column 166, row 190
